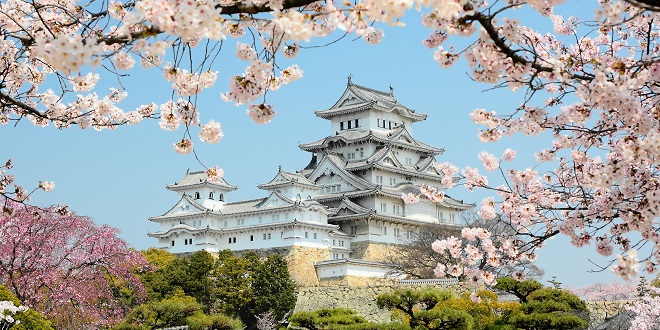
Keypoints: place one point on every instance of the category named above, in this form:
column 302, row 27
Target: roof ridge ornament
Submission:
column 350, row 76
column 392, row 92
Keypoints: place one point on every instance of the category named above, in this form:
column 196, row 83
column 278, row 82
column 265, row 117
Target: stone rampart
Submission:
column 362, row 299
column 599, row 311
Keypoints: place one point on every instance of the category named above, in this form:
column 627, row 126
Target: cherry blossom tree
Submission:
column 64, row 266
column 591, row 83
column 612, row 291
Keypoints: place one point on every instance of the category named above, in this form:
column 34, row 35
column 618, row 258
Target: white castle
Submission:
column 339, row 216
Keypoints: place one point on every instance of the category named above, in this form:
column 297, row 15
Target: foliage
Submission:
column 65, row 266
column 338, row 319
column 233, row 286
column 201, row 321
column 28, row 319
column 486, row 311
column 521, row 289
column 552, row 309
column 274, row 290
column 168, row 312
column 424, row 309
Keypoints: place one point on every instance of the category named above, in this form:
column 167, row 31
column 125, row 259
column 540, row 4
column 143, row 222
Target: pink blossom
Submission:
column 261, row 113
column 410, row 198
column 214, row 174
column 211, row 132
column 46, row 185
column 184, row 146
column 490, row 162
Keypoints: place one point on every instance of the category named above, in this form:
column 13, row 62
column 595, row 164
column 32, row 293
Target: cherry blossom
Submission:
column 59, row 262
column 211, row 132
column 214, row 174
column 410, row 198
column 184, row 146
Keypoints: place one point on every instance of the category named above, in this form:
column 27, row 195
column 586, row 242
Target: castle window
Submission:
column 315, row 236
column 383, row 207
column 379, row 179
column 397, row 232
column 333, row 242
column 309, row 197
column 356, row 123
column 353, row 229
column 172, row 243
column 396, row 209
column 306, row 235
column 268, row 235
column 211, row 195
column 234, row 239
column 349, row 124
column 197, row 195
column 392, row 181
column 251, row 238
column 222, row 198
column 341, row 125
column 384, row 230
column 298, row 197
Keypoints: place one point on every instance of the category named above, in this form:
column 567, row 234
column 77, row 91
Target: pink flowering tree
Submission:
column 64, row 266
column 647, row 311
column 612, row 291
column 590, row 82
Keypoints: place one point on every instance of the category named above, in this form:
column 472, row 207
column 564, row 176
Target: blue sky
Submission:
column 118, row 177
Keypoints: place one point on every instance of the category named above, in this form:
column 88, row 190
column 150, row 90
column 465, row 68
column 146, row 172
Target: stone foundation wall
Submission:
column 300, row 260
column 601, row 310
column 372, row 251
column 362, row 299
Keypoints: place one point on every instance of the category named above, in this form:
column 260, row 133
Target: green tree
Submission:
column 339, row 319
column 423, row 309
column 29, row 319
column 552, row 309
column 233, row 286
column 168, row 312
column 197, row 282
column 273, row 288
column 521, row 289
column 201, row 321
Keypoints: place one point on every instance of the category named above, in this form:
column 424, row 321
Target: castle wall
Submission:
column 300, row 261
column 361, row 298
column 361, row 294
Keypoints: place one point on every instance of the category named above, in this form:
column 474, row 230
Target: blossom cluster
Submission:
column 7, row 309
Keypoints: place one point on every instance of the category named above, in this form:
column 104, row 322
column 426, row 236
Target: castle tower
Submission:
column 368, row 162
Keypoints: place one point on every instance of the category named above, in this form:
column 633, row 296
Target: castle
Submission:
column 337, row 218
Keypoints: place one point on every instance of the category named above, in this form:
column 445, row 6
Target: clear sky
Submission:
column 118, row 177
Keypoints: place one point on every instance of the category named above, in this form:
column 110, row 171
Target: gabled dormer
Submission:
column 294, row 186
column 276, row 199
column 197, row 186
column 330, row 174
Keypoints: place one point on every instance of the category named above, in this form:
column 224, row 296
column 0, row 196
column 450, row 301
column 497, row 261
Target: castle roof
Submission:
column 398, row 136
column 358, row 98
column 199, row 179
column 284, row 178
